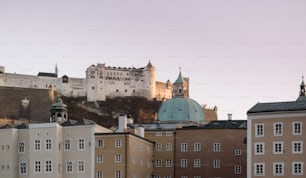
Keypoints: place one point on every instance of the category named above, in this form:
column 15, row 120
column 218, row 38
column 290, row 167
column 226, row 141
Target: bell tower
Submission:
column 59, row 111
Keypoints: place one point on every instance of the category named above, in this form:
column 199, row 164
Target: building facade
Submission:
column 217, row 149
column 122, row 155
column 276, row 137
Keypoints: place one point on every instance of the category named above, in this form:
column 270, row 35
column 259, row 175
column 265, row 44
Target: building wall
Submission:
column 8, row 153
column 11, row 156
column 162, row 138
column 230, row 140
column 135, row 156
column 268, row 157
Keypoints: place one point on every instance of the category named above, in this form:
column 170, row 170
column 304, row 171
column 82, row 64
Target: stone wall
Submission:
column 25, row 103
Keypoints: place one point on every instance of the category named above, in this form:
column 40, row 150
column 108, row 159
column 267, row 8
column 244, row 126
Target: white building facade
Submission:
column 49, row 150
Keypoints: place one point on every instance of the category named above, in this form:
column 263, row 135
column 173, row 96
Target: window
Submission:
column 48, row 166
column 259, row 169
column 21, row 147
column 167, row 176
column 278, row 129
column 69, row 167
column 23, row 168
column 277, row 147
column 118, row 143
column 168, row 163
column 184, row 147
column 37, row 145
column 278, row 169
column 237, row 152
column 67, row 145
column 169, row 134
column 81, row 144
column 196, row 176
column 100, row 143
column 217, row 147
column 297, row 147
column 197, row 163
column 296, row 128
column 158, row 134
column 37, row 166
column 158, row 147
column 117, row 158
column 99, row 158
column 48, row 144
column 216, row 163
column 259, row 130
column 184, row 163
column 118, row 174
column 99, row 174
column 238, row 169
column 259, row 148
column 81, row 166
column 197, row 147
column 168, row 147
column 297, row 168
column 158, row 163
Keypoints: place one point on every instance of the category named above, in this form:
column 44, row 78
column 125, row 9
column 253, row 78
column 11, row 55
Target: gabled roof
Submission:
column 278, row 107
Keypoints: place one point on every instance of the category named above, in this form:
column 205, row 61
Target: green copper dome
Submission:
column 180, row 109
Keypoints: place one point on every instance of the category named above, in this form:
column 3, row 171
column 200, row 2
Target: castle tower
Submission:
column 150, row 71
column 56, row 70
column 59, row 111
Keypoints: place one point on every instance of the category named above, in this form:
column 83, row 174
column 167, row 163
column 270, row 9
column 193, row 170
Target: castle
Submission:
column 101, row 82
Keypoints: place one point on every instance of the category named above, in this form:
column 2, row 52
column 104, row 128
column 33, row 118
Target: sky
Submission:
column 235, row 52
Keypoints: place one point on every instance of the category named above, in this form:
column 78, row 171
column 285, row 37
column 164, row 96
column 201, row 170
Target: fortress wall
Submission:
column 76, row 87
column 163, row 90
column 37, row 108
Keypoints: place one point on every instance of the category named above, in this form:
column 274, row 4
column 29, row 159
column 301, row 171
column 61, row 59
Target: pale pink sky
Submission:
column 236, row 53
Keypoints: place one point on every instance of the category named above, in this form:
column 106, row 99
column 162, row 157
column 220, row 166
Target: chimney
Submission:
column 122, row 123
column 140, row 131
column 229, row 117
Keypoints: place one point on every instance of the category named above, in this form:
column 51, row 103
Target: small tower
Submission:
column 59, row 111
column 302, row 96
column 179, row 87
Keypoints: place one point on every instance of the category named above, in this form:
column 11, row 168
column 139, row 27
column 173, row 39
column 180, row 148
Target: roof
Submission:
column 181, row 109
column 46, row 74
column 221, row 124
column 58, row 105
column 157, row 126
column 179, row 79
column 125, row 133
column 278, row 107
column 227, row 124
column 70, row 122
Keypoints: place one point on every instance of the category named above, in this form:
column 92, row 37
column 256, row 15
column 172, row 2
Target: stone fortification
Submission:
column 101, row 82
column 26, row 103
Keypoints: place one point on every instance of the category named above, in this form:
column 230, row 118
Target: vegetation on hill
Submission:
column 106, row 113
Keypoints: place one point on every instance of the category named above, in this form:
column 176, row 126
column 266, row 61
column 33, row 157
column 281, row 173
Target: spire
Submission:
column 179, row 79
column 302, row 96
column 179, row 87
column 56, row 70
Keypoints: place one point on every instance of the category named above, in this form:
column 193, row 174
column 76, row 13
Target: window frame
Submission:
column 259, row 169
column 259, row 130
column 278, row 129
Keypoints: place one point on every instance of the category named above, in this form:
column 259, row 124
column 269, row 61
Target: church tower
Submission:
column 59, row 111
column 302, row 96
column 180, row 88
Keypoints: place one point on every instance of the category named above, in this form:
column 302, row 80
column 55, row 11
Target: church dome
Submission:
column 180, row 109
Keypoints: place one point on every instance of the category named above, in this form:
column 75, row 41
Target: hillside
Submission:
column 106, row 112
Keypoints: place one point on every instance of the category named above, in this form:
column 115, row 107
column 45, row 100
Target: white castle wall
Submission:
column 115, row 81
column 100, row 82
